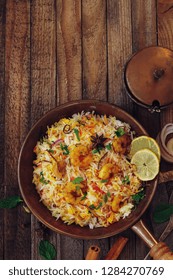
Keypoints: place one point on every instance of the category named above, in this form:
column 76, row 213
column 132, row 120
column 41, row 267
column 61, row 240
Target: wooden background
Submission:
column 54, row 51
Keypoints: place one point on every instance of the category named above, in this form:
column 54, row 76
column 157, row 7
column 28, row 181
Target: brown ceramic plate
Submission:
column 25, row 171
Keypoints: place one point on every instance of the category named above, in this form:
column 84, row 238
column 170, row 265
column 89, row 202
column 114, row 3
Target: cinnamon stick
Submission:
column 116, row 249
column 93, row 253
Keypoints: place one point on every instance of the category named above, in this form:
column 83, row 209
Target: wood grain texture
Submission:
column 144, row 34
column 144, row 24
column 43, row 87
column 69, row 83
column 69, row 50
column 71, row 248
column 17, row 78
column 2, row 115
column 119, row 32
column 94, row 49
column 43, row 58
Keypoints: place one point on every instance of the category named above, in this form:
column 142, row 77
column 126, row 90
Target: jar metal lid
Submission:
column 149, row 77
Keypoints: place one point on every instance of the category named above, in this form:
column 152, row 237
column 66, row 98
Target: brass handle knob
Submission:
column 158, row 73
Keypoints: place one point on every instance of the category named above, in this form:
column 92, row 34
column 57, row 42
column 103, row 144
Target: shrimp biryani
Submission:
column 82, row 170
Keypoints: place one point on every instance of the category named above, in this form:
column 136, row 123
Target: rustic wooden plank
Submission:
column 17, row 100
column 94, row 49
column 69, row 55
column 69, row 84
column 144, row 23
column 2, row 113
column 43, row 88
column 119, row 49
column 71, row 248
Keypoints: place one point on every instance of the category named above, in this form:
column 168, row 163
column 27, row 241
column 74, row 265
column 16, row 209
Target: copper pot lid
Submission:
column 149, row 77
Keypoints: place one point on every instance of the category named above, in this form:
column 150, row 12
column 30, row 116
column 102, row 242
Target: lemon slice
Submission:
column 144, row 142
column 147, row 164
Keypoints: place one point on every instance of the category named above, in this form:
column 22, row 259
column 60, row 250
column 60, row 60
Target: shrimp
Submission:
column 121, row 144
column 80, row 156
column 59, row 169
column 116, row 203
column 108, row 170
column 74, row 192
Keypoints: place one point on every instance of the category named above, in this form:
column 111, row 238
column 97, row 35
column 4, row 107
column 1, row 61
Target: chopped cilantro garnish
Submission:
column 104, row 181
column 95, row 151
column 109, row 146
column 108, row 194
column 100, row 205
column 42, row 179
column 126, row 180
column 119, row 132
column 64, row 148
column 92, row 206
column 105, row 198
column 51, row 151
column 84, row 196
column 77, row 180
column 76, row 132
column 78, row 188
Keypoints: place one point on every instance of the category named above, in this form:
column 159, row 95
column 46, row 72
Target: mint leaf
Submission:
column 77, row 188
column 104, row 181
column 138, row 196
column 42, row 179
column 126, row 180
column 77, row 180
column 92, row 206
column 162, row 213
column 100, row 205
column 51, row 151
column 47, row 250
column 109, row 146
column 64, row 148
column 119, row 132
column 76, row 131
column 84, row 196
column 95, row 151
column 10, row 202
column 105, row 198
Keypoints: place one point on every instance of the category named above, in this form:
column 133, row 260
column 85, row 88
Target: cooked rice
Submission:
column 70, row 183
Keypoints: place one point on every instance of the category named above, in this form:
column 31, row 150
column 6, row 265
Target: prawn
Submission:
column 80, row 156
column 121, row 144
column 108, row 170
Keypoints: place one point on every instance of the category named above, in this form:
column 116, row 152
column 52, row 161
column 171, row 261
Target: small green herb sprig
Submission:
column 120, row 132
column 138, row 196
column 162, row 213
column 47, row 250
column 10, row 202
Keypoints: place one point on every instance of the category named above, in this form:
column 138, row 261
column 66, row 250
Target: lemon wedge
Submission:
column 144, row 142
column 147, row 164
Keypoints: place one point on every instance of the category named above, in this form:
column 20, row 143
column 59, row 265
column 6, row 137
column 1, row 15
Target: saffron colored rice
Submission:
column 81, row 183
